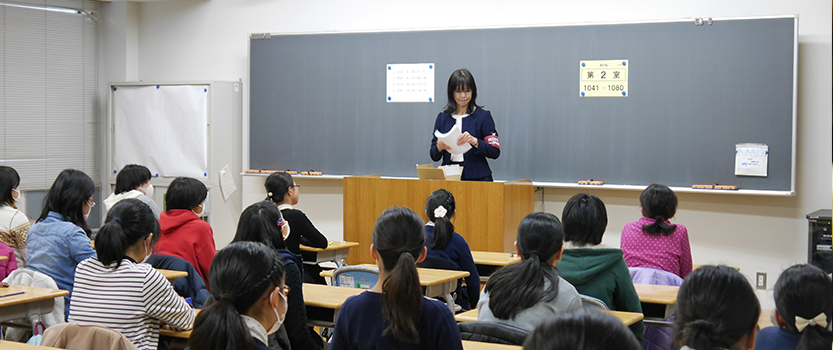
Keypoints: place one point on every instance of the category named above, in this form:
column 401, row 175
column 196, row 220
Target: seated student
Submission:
column 282, row 190
column 527, row 293
column 183, row 234
column 585, row 329
column 14, row 224
column 118, row 290
column 133, row 181
column 60, row 239
column 653, row 241
column 247, row 303
column 262, row 222
column 803, row 311
column 716, row 309
column 444, row 243
column 594, row 268
column 394, row 314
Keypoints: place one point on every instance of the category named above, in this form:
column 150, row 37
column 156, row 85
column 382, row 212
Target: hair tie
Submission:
column 269, row 194
column 819, row 320
column 404, row 250
column 118, row 220
column 440, row 212
column 228, row 297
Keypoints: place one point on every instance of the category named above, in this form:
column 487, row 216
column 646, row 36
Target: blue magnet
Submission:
column 115, row 171
column 430, row 66
column 582, row 64
column 114, row 88
column 582, row 93
column 204, row 174
column 430, row 99
column 205, row 90
column 624, row 63
column 157, row 174
column 388, row 67
column 388, row 98
column 623, row 93
column 157, row 86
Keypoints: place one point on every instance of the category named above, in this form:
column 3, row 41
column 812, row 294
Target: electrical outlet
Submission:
column 760, row 280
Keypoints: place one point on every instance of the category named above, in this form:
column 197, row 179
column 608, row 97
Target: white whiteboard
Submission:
column 163, row 127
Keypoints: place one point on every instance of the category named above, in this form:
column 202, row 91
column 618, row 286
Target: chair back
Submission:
column 492, row 332
column 75, row 336
column 592, row 302
column 647, row 275
column 191, row 286
column 461, row 298
column 362, row 277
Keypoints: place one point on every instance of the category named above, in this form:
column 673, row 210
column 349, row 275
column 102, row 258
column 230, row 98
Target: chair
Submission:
column 75, row 336
column 492, row 332
column 32, row 278
column 656, row 338
column 592, row 302
column 191, row 286
column 356, row 277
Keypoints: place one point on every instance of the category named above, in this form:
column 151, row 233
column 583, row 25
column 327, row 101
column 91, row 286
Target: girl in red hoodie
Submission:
column 182, row 233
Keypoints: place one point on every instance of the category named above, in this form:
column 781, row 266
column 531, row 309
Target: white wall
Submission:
column 206, row 40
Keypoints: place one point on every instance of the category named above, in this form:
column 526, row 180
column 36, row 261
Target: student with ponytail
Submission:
column 282, row 190
column 394, row 314
column 716, row 310
column 803, row 311
column 247, row 303
column 262, row 222
column 443, row 242
column 118, row 290
column 527, row 293
column 653, row 241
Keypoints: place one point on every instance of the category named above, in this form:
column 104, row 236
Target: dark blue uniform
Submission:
column 480, row 125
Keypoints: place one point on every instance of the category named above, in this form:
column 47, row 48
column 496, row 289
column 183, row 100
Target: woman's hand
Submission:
column 442, row 146
column 467, row 138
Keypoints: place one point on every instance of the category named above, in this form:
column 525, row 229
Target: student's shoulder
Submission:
column 433, row 308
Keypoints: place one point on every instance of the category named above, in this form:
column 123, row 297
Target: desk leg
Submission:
column 443, row 290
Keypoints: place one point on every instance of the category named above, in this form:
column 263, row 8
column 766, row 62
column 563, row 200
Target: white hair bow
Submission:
column 440, row 212
column 801, row 323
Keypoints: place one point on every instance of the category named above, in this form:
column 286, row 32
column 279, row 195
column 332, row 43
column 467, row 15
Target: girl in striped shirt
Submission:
column 118, row 290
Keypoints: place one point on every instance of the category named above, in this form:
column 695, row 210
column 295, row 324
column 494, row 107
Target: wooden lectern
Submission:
column 488, row 213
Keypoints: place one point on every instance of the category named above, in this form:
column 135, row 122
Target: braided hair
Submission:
column 443, row 228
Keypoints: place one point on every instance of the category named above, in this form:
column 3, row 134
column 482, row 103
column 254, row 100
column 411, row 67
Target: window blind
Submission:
column 49, row 90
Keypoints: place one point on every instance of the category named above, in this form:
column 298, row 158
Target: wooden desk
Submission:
column 336, row 251
column 437, row 283
column 764, row 319
column 488, row 262
column 177, row 334
column 478, row 345
column 34, row 300
column 324, row 302
column 658, row 302
column 3, row 258
column 171, row 274
column 627, row 318
column 13, row 345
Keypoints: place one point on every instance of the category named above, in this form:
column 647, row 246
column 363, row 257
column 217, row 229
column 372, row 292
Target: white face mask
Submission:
column 16, row 199
column 202, row 209
column 148, row 190
column 280, row 317
column 87, row 214
column 288, row 229
column 147, row 254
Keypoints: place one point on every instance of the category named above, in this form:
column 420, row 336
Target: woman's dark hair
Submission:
column 399, row 238
column 277, row 184
column 9, row 179
column 127, row 222
column 716, row 307
column 185, row 193
column 516, row 287
column 582, row 329
column 259, row 223
column 443, row 228
column 458, row 81
column 71, row 189
column 241, row 274
column 805, row 291
column 585, row 219
column 130, row 177
column 658, row 202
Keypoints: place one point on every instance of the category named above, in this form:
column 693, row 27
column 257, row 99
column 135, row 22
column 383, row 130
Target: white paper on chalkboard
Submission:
column 412, row 82
column 163, row 127
column 751, row 159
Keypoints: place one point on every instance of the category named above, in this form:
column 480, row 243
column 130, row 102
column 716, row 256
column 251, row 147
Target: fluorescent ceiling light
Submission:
column 89, row 14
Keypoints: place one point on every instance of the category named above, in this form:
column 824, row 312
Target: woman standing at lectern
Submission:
column 476, row 124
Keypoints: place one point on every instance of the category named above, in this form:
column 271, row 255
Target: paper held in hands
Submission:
column 450, row 139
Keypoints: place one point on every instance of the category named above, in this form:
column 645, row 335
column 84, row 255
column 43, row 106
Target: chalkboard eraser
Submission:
column 725, row 187
column 291, row 172
column 591, row 182
column 703, row 187
column 252, row 171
